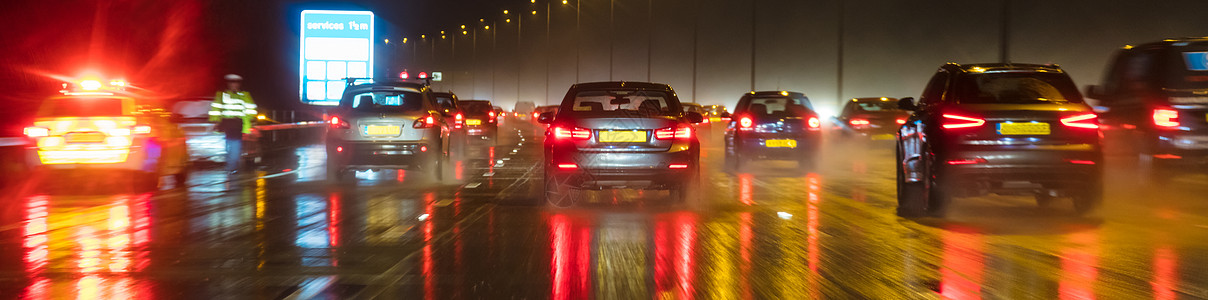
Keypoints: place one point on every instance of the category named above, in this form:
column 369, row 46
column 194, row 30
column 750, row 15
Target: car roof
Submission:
column 622, row 85
column 777, row 93
column 1004, row 68
column 1172, row 42
column 475, row 101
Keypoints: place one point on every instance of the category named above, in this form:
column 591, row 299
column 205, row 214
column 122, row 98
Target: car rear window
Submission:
column 1017, row 88
column 476, row 107
column 81, row 107
column 1189, row 70
column 622, row 102
column 776, row 106
column 877, row 106
column 387, row 101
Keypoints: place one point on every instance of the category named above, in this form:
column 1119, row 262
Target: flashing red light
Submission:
column 957, row 121
column 1088, row 121
column 746, row 122
column 568, row 166
column 338, row 123
column 966, row 161
column 1165, row 118
column 681, row 132
column 678, row 166
column 423, row 75
column 1081, row 162
column 339, row 148
column 403, row 75
column 900, row 121
column 574, row 133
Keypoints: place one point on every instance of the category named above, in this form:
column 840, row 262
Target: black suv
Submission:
column 772, row 125
column 1013, row 129
column 1161, row 90
column 620, row 135
column 480, row 119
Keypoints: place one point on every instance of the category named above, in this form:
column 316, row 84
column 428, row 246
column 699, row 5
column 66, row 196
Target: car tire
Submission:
column 335, row 172
column 911, row 195
column 558, row 194
column 1089, row 200
column 938, row 195
column 682, row 193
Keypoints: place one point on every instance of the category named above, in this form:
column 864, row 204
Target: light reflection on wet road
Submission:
column 773, row 233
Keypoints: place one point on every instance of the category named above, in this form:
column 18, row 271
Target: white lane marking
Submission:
column 507, row 158
column 488, row 174
column 443, row 203
column 473, row 185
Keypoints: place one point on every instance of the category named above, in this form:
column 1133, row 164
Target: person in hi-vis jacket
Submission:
column 234, row 111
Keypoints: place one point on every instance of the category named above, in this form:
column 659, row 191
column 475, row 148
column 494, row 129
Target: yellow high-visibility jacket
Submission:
column 228, row 104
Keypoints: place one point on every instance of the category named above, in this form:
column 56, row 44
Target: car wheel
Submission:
column 1088, row 200
column 911, row 201
column 938, row 196
column 335, row 172
column 682, row 193
column 558, row 192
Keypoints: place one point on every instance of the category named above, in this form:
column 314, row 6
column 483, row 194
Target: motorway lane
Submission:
column 286, row 233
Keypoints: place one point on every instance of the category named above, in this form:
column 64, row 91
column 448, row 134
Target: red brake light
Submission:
column 746, row 122
column 1165, row 118
column 491, row 114
column 568, row 166
column 338, row 123
column 957, row 121
column 678, row 166
column 681, row 132
column 574, row 133
column 900, row 121
column 966, row 161
column 814, row 123
column 426, row 122
column 1088, row 121
column 858, row 122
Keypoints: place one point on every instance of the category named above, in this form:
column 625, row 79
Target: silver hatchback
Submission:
column 386, row 126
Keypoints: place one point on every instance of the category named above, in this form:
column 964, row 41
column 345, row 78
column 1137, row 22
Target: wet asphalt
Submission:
column 284, row 231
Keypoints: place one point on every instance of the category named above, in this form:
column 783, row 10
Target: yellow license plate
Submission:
column 882, row 137
column 383, row 130
column 1029, row 128
column 714, row 119
column 781, row 143
column 473, row 122
column 622, row 136
column 85, row 137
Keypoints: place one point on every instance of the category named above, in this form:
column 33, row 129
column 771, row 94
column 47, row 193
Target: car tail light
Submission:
column 457, row 120
column 900, row 121
column 1088, row 121
column 705, row 120
column 678, row 166
column 425, row 122
column 573, row 133
column 681, row 132
column 337, row 123
column 969, row 161
column 568, row 166
column 859, row 122
column 952, row 121
column 746, row 123
column 1081, row 162
column 1165, row 118
column 491, row 114
column 35, row 132
column 814, row 123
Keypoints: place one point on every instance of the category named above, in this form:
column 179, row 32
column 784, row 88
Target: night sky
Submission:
column 181, row 48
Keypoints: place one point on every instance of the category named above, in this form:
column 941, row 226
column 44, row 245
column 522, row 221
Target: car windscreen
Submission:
column 387, row 101
column 81, row 107
column 1188, row 70
column 476, row 107
column 694, row 108
column 622, row 103
column 776, row 106
column 1016, row 88
column 877, row 106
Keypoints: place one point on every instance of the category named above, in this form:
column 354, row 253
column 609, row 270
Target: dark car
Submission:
column 447, row 104
column 620, row 135
column 875, row 118
column 481, row 120
column 544, row 109
column 394, row 125
column 1161, row 90
column 778, row 125
column 1008, row 129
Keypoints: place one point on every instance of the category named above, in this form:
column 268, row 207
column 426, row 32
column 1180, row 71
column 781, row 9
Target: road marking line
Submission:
column 488, row 174
column 473, row 185
column 444, row 203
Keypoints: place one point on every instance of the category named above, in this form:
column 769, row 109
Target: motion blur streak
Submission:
column 813, row 184
column 1079, row 267
column 963, row 264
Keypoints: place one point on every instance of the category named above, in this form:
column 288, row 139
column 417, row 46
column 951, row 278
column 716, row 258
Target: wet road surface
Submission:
column 285, row 232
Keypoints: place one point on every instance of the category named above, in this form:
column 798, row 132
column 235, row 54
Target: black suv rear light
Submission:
column 952, row 121
column 1087, row 121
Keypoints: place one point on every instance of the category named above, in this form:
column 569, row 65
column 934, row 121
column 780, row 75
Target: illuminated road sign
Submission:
column 335, row 45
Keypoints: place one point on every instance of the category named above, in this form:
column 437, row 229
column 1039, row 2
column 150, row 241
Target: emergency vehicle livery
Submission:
column 93, row 126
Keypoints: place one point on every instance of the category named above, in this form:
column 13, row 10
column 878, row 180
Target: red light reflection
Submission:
column 674, row 250
column 570, row 260
column 961, row 272
column 744, row 189
column 1165, row 273
column 1079, row 267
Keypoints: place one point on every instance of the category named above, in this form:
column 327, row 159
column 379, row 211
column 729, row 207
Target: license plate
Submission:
column 1038, row 128
column 85, row 137
column 781, row 143
column 383, row 130
column 882, row 137
column 473, row 122
column 622, row 136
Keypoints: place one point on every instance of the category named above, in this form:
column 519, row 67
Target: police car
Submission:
column 97, row 126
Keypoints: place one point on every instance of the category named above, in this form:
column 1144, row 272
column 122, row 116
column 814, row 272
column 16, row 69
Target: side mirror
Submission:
column 545, row 118
column 907, row 104
column 694, row 117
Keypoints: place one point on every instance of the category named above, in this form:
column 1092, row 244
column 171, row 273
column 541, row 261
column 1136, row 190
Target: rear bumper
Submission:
column 133, row 159
column 756, row 146
column 639, row 178
column 1188, row 145
column 1072, row 168
column 485, row 130
column 643, row 170
column 403, row 155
